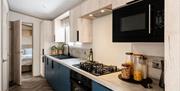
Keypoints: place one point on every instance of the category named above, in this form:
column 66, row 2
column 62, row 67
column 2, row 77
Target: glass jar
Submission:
column 126, row 72
column 129, row 58
column 138, row 64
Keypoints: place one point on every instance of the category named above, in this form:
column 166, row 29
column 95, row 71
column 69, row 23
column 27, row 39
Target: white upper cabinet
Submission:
column 118, row 3
column 89, row 6
column 104, row 3
column 75, row 13
column 80, row 27
column 85, row 30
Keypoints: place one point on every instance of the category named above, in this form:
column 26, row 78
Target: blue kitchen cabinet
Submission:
column 98, row 87
column 47, row 69
column 63, row 78
column 57, row 75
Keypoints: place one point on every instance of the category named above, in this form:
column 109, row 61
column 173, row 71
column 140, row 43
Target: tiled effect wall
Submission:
column 79, row 52
column 154, row 72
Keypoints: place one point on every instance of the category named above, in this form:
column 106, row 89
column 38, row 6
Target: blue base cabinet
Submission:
column 97, row 87
column 57, row 75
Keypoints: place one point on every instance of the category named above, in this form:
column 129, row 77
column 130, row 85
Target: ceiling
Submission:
column 44, row 9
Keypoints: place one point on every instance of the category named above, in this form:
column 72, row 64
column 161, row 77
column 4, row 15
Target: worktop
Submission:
column 110, row 81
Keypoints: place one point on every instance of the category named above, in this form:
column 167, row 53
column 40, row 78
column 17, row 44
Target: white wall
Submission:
column 27, row 37
column 13, row 16
column 152, row 49
column 104, row 49
column 114, row 53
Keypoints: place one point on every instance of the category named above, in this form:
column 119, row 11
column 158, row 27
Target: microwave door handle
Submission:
column 149, row 18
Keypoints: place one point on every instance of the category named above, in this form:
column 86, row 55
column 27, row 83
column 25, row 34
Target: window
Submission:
column 62, row 30
column 66, row 27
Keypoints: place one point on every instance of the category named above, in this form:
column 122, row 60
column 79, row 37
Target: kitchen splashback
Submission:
column 79, row 52
column 154, row 66
column 154, row 62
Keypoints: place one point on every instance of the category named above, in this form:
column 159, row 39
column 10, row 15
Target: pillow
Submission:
column 28, row 51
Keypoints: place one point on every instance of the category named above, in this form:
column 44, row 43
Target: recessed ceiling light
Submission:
column 102, row 11
column 90, row 15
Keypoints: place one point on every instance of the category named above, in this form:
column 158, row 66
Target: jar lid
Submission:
column 138, row 55
column 126, row 65
column 129, row 53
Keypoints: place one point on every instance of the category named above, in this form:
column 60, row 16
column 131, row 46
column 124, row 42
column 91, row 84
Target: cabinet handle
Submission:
column 42, row 51
column 43, row 59
column 77, row 32
column 52, row 65
column 149, row 18
column 47, row 61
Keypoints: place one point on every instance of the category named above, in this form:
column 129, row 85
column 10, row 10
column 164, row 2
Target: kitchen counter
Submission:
column 110, row 81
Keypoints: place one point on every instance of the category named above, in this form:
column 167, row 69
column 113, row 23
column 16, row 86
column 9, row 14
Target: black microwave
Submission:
column 139, row 21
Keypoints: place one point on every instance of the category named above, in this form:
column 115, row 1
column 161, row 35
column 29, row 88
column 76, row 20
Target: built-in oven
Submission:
column 80, row 82
column 139, row 21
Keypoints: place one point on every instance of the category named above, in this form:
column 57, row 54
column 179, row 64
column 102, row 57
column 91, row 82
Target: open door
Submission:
column 17, row 50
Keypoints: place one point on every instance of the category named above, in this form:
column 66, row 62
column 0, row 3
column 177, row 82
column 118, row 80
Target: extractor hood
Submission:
column 99, row 13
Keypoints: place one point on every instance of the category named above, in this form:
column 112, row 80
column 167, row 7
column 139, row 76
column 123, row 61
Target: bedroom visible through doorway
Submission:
column 27, row 60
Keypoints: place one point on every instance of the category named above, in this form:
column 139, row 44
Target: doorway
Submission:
column 27, row 59
column 21, row 51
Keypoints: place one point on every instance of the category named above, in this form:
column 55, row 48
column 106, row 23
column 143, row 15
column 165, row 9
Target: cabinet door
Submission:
column 64, row 78
column 56, row 82
column 75, row 13
column 45, row 60
column 47, row 69
column 85, row 30
column 89, row 6
column 50, row 67
column 98, row 87
column 119, row 3
column 104, row 3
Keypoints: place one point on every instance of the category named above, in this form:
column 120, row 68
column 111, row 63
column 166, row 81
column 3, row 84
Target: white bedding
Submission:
column 27, row 56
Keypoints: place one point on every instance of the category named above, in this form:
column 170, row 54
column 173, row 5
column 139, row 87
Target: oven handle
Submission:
column 149, row 18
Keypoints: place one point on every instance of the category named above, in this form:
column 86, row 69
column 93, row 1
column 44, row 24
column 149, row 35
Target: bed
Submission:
column 27, row 60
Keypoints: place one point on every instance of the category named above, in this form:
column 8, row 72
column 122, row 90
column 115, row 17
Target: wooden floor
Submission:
column 32, row 84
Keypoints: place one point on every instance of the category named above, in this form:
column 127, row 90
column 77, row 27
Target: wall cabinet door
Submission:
column 75, row 13
column 85, row 30
column 83, row 26
column 104, row 3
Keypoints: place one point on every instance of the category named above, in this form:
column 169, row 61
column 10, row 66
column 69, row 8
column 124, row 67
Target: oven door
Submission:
column 80, row 82
column 75, row 86
column 131, row 23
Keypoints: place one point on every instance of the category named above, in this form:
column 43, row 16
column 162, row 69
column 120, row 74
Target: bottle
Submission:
column 91, row 55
